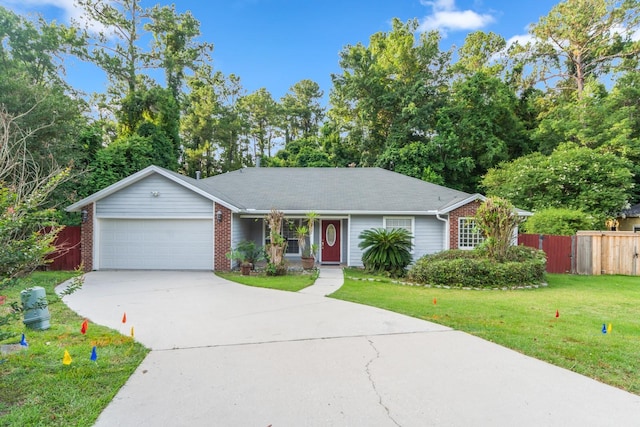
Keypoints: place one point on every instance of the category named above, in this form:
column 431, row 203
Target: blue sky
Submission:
column 276, row 43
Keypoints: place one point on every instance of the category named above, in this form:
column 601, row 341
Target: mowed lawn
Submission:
column 37, row 389
column 525, row 320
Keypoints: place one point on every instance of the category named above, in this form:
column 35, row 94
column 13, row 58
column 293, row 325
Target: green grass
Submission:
column 524, row 320
column 36, row 389
column 292, row 282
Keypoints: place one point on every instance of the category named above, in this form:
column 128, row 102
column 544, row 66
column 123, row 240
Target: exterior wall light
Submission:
column 84, row 215
column 219, row 216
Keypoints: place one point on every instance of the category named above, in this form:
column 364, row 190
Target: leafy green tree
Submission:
column 121, row 158
column 174, row 48
column 559, row 221
column 33, row 92
column 580, row 39
column 302, row 113
column 386, row 251
column 261, row 114
column 388, row 93
column 572, row 177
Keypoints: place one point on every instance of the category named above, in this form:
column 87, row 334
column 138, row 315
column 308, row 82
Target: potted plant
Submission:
column 239, row 257
column 246, row 254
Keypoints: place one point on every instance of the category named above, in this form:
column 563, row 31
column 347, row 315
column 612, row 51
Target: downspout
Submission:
column 446, row 230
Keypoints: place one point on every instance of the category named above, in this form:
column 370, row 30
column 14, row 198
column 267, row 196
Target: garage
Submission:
column 155, row 244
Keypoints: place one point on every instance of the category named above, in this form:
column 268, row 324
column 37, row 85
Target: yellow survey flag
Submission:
column 66, row 360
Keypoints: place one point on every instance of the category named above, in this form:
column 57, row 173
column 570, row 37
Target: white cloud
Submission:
column 521, row 39
column 447, row 17
column 69, row 10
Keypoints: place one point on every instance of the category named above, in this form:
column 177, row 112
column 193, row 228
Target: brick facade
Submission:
column 86, row 239
column 465, row 211
column 221, row 239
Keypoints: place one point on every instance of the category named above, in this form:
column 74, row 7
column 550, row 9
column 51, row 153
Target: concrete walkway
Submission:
column 329, row 281
column 224, row 354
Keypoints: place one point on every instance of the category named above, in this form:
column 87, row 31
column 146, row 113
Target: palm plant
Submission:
column 386, row 251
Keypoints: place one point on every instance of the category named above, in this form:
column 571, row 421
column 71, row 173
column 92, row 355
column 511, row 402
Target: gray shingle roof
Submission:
column 323, row 190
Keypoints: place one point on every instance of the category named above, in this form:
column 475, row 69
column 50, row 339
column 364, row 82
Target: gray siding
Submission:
column 429, row 236
column 138, row 201
column 428, row 232
column 359, row 223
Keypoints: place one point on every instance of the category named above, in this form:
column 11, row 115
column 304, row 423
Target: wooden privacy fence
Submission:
column 67, row 257
column 559, row 249
column 608, row 252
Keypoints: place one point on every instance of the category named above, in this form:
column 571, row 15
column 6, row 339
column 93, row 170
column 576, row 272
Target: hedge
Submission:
column 523, row 266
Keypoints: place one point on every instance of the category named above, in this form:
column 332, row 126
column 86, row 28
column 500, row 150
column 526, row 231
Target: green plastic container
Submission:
column 36, row 309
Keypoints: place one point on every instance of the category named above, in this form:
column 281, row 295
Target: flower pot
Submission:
column 308, row 262
column 245, row 269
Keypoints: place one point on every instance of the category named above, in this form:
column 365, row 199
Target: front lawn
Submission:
column 293, row 282
column 525, row 320
column 37, row 389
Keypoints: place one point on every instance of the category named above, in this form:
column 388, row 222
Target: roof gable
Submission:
column 182, row 180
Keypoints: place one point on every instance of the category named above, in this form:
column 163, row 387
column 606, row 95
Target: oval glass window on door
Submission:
column 330, row 235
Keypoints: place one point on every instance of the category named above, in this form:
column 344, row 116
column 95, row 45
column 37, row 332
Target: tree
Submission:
column 261, row 114
column 498, row 220
column 301, row 110
column 389, row 92
column 579, row 39
column 572, row 177
column 27, row 228
column 33, row 92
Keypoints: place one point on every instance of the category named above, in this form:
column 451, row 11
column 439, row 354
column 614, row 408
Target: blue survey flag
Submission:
column 604, row 328
column 23, row 341
column 94, row 354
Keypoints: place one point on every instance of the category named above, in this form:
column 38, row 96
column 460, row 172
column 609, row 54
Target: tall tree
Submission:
column 579, row 39
column 262, row 115
column 388, row 92
column 302, row 111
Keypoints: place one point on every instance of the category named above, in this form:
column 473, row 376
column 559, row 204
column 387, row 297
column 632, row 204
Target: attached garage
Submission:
column 155, row 244
column 154, row 220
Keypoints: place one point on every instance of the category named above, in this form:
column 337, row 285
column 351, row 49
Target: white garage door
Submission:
column 156, row 244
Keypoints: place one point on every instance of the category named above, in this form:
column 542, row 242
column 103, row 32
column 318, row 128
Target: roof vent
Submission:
column 198, row 174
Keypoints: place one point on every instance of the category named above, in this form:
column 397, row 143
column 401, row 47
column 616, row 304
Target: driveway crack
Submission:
column 373, row 383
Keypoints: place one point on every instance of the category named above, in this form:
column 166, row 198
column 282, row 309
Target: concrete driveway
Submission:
column 224, row 354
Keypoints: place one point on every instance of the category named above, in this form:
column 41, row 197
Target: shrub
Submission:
column 521, row 265
column 498, row 220
column 562, row 222
column 386, row 251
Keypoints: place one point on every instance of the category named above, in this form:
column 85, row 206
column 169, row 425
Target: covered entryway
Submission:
column 155, row 244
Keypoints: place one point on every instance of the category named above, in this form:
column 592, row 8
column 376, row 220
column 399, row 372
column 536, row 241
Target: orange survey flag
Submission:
column 124, row 318
column 84, row 327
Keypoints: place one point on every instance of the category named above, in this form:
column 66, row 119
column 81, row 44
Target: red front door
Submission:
column 331, row 241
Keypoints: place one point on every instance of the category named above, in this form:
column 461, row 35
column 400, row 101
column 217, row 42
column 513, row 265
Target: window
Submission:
column 468, row 234
column 399, row 222
column 288, row 231
column 406, row 223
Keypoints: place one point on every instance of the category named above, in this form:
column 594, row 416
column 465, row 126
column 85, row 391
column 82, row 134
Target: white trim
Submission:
column 133, row 216
column 149, row 170
column 95, row 251
column 413, row 227
column 349, row 264
column 322, row 237
column 466, row 218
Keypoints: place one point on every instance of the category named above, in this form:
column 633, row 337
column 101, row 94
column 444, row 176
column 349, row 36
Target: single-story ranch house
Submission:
column 158, row 219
